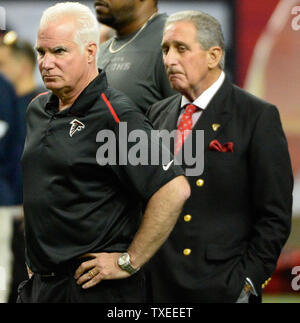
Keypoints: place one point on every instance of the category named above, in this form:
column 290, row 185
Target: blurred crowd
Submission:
column 17, row 87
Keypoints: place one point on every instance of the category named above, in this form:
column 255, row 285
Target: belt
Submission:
column 64, row 269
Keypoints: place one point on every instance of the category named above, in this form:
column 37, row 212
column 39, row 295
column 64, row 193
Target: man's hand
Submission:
column 161, row 214
column 103, row 266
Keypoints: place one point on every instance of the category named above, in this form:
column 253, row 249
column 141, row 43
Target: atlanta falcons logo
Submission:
column 76, row 126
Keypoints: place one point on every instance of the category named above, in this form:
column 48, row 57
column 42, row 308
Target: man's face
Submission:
column 62, row 64
column 185, row 61
column 10, row 66
column 115, row 13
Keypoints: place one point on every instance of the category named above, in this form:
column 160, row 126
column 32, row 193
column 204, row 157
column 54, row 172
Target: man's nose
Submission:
column 170, row 58
column 47, row 61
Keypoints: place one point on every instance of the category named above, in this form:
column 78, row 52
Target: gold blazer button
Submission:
column 187, row 252
column 200, row 182
column 187, row 218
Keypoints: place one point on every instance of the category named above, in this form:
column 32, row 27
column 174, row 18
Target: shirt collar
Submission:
column 203, row 100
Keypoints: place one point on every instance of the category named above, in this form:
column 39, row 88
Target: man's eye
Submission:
column 165, row 51
column 59, row 50
column 181, row 49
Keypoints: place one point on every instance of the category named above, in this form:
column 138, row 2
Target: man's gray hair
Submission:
column 87, row 25
column 209, row 29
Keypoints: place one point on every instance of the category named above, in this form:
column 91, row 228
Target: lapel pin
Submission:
column 215, row 126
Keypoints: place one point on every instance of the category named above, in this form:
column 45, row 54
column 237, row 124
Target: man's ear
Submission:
column 91, row 50
column 214, row 56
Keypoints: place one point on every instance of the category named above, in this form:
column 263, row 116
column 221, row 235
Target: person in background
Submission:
column 8, row 130
column 132, row 59
column 89, row 227
column 226, row 243
column 17, row 63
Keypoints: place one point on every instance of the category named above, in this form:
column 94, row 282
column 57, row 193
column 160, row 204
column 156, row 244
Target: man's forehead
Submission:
column 181, row 24
column 64, row 30
column 179, row 31
column 48, row 41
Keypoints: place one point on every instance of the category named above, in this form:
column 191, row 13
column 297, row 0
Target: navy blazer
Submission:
column 238, row 217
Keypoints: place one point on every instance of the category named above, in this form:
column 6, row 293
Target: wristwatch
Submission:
column 124, row 263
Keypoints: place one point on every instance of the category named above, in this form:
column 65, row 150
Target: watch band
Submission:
column 124, row 263
column 129, row 269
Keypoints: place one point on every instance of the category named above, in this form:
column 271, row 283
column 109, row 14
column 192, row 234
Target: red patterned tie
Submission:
column 184, row 127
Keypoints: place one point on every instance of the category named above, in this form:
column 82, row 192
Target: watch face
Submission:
column 124, row 259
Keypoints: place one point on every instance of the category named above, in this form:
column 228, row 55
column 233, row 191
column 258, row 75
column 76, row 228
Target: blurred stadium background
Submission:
column 262, row 40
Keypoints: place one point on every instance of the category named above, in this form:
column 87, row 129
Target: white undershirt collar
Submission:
column 203, row 100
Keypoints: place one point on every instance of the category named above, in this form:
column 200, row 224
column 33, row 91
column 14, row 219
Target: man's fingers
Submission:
column 90, row 275
column 88, row 255
column 84, row 267
column 92, row 282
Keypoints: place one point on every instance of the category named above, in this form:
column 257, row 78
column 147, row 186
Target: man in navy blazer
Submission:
column 225, row 245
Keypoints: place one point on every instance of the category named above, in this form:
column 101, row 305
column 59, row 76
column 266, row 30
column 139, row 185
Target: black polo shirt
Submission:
column 73, row 205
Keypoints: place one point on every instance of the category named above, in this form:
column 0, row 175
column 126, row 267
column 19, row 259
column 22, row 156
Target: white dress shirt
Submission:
column 203, row 100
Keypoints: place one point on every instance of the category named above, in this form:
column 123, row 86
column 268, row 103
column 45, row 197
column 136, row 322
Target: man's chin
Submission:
column 176, row 86
column 52, row 86
column 107, row 20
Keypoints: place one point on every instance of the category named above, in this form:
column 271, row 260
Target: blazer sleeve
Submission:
column 272, row 185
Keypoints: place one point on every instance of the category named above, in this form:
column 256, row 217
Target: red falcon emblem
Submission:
column 76, row 126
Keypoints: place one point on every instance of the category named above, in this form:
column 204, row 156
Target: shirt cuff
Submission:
column 252, row 289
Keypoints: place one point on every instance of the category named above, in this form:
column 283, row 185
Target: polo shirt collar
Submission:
column 84, row 101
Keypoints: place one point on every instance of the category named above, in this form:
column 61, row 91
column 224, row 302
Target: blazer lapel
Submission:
column 216, row 115
column 171, row 115
column 212, row 121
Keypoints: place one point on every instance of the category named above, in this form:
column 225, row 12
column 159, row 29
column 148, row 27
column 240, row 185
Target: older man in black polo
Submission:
column 86, row 236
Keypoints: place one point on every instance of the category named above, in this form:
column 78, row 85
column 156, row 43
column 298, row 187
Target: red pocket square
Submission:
column 215, row 145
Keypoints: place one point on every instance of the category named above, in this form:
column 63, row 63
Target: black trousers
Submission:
column 63, row 289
